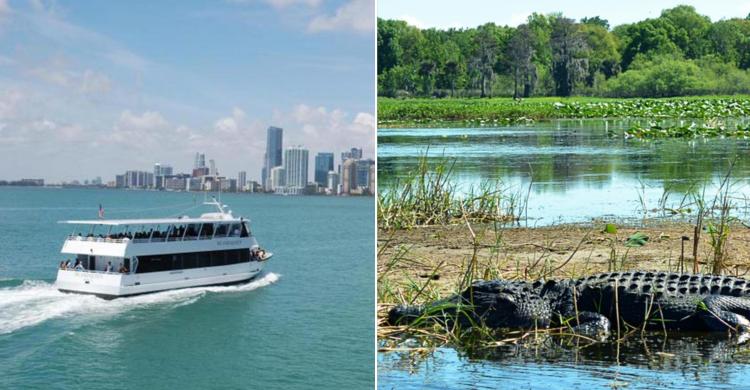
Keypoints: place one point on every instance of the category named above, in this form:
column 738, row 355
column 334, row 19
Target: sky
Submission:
column 93, row 89
column 472, row 13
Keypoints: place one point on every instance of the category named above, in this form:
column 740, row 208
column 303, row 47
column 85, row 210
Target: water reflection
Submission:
column 577, row 170
column 655, row 360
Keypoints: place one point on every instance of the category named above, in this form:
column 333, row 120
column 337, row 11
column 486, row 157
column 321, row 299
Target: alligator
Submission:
column 641, row 299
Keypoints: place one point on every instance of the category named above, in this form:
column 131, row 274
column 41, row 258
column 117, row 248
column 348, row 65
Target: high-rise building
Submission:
column 349, row 176
column 355, row 153
column 242, row 180
column 323, row 165
column 363, row 173
column 277, row 179
column 167, row 170
column 200, row 160
column 273, row 156
column 332, row 182
column 212, row 168
column 296, row 166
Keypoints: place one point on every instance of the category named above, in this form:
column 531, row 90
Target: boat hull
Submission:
column 115, row 285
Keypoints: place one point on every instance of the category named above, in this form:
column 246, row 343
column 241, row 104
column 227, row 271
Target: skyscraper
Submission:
column 273, row 156
column 323, row 165
column 200, row 160
column 242, row 180
column 296, row 165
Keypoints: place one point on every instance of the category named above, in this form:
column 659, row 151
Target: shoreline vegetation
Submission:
column 434, row 242
column 416, row 112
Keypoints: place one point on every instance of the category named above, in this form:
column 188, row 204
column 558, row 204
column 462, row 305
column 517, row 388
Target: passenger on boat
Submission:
column 62, row 264
column 67, row 264
column 78, row 266
column 123, row 269
column 108, row 268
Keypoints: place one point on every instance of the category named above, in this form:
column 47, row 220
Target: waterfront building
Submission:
column 363, row 174
column 278, row 179
column 273, row 155
column 323, row 165
column 332, row 182
column 241, row 180
column 349, row 176
column 296, row 167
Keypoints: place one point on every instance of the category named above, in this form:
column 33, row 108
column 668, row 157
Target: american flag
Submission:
column 101, row 211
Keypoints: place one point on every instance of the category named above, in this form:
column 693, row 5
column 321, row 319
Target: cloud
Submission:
column 4, row 10
column 411, row 20
column 287, row 3
column 356, row 15
column 58, row 72
column 321, row 129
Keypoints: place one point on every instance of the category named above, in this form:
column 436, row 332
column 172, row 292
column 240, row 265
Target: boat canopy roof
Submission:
column 206, row 218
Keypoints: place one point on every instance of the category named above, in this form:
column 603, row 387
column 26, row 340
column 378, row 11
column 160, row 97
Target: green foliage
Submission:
column 554, row 55
column 711, row 130
column 505, row 110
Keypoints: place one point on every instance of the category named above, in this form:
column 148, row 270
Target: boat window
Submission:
column 218, row 258
column 192, row 231
column 154, row 263
column 222, row 230
column 245, row 230
column 177, row 261
column 207, row 231
column 234, row 231
column 233, row 257
column 176, row 233
column 189, row 260
column 204, row 259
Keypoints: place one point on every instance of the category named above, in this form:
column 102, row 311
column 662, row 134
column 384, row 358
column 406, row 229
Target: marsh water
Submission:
column 575, row 171
column 572, row 170
column 652, row 361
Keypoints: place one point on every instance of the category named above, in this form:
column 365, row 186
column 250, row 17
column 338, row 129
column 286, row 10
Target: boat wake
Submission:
column 34, row 301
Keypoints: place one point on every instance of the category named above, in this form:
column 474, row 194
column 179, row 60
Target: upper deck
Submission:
column 133, row 237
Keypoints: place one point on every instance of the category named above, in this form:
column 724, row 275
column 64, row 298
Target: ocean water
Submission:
column 306, row 322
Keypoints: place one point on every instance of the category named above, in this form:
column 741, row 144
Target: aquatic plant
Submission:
column 499, row 111
column 711, row 129
column 429, row 196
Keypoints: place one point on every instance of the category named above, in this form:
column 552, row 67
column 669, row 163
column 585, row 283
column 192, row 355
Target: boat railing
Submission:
column 124, row 240
column 94, row 271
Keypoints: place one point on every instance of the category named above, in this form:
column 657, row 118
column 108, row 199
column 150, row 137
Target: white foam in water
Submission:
column 34, row 302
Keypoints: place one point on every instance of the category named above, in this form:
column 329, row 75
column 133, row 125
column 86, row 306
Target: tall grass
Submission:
column 429, row 196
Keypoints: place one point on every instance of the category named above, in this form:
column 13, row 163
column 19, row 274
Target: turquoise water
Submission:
column 306, row 322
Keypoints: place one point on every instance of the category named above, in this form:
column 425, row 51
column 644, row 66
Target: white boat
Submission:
column 123, row 257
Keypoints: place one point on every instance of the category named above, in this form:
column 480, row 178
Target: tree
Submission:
column 596, row 21
column 520, row 53
column 568, row 62
column 451, row 72
column 649, row 37
column 689, row 30
column 426, row 69
column 602, row 54
column 485, row 56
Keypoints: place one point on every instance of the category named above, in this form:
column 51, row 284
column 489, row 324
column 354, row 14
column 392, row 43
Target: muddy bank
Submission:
column 422, row 263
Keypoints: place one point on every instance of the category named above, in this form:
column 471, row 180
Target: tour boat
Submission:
column 123, row 257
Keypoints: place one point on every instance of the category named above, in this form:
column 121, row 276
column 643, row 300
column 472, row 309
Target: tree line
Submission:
column 679, row 53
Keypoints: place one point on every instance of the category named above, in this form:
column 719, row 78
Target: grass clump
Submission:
column 429, row 196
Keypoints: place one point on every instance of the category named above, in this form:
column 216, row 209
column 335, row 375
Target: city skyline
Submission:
column 84, row 99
